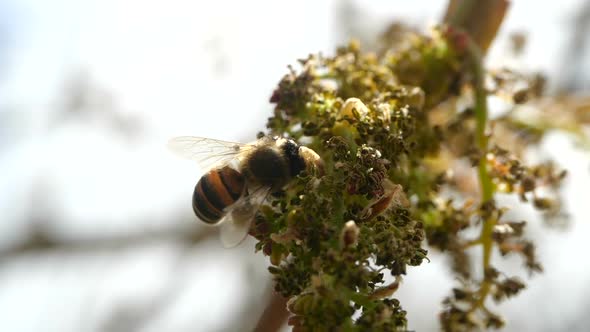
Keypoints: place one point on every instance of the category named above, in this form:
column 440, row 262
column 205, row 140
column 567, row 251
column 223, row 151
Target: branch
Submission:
column 480, row 18
column 274, row 316
column 487, row 187
column 41, row 240
column 139, row 316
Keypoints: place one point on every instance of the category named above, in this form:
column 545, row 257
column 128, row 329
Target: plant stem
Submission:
column 480, row 19
column 487, row 187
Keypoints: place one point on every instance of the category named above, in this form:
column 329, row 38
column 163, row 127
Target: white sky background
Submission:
column 171, row 64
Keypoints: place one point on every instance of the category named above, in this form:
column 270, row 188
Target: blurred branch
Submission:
column 138, row 316
column 480, row 18
column 572, row 78
column 125, row 317
column 86, row 100
column 275, row 314
column 567, row 113
column 41, row 240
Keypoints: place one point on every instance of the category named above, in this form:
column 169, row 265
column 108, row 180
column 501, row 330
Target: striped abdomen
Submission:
column 215, row 191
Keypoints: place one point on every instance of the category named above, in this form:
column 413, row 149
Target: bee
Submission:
column 240, row 177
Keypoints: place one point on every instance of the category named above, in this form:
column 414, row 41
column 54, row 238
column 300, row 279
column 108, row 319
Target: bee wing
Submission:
column 208, row 152
column 236, row 224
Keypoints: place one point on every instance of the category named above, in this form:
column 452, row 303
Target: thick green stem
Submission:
column 481, row 19
column 481, row 117
column 487, row 187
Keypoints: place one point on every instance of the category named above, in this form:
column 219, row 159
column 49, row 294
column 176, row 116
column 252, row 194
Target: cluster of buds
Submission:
column 392, row 146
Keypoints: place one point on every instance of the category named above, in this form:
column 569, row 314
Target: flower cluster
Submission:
column 398, row 137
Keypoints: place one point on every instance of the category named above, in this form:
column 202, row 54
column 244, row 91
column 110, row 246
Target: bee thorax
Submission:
column 267, row 167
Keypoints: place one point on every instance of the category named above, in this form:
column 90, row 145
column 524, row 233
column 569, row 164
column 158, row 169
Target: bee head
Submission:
column 300, row 157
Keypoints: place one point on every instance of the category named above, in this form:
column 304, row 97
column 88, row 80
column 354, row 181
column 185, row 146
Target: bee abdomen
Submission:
column 215, row 191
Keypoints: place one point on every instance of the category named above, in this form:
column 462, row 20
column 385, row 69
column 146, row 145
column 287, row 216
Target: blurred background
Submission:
column 97, row 232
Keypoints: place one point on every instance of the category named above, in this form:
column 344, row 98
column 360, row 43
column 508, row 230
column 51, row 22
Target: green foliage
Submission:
column 397, row 148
